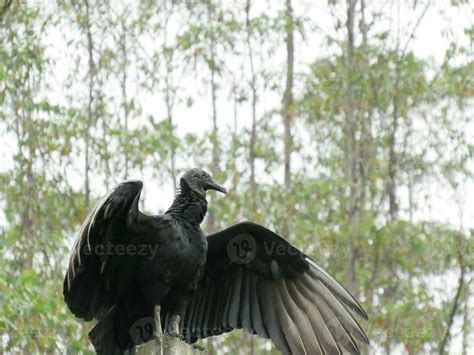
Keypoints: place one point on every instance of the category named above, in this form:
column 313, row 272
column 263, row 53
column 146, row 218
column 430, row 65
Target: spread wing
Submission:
column 257, row 281
column 88, row 283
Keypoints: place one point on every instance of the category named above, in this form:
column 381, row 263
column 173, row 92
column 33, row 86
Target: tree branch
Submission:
column 6, row 5
column 455, row 307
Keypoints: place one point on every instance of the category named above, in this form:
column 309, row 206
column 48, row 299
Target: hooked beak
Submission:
column 215, row 186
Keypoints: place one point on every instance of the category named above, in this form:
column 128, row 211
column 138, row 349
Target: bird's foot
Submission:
column 175, row 335
column 174, row 332
column 175, row 318
column 158, row 331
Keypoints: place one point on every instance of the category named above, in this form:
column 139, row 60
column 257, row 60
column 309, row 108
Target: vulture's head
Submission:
column 199, row 181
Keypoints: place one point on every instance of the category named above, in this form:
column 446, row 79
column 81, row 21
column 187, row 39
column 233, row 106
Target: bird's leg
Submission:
column 158, row 330
column 175, row 323
column 175, row 318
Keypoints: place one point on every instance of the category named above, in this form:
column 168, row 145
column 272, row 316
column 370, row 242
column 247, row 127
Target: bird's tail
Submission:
column 102, row 335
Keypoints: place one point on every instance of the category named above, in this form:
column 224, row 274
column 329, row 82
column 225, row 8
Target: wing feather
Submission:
column 235, row 303
column 256, row 312
column 270, row 319
column 245, row 316
column 340, row 311
column 85, row 285
column 344, row 295
column 286, row 316
column 281, row 294
column 316, row 321
column 337, row 331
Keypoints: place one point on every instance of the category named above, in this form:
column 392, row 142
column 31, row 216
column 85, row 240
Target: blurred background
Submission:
column 346, row 126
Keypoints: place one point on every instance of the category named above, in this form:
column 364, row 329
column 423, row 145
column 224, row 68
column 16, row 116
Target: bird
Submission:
column 141, row 275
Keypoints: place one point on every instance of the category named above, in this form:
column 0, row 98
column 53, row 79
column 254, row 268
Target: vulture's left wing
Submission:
column 257, row 281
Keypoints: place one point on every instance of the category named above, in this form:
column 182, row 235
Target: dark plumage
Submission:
column 132, row 272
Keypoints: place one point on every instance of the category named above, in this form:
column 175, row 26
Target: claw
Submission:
column 175, row 318
column 158, row 330
column 175, row 335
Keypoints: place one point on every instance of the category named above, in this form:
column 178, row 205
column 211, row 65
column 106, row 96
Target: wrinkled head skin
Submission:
column 200, row 181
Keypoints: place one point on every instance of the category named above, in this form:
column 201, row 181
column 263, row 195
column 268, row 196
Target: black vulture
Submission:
column 138, row 275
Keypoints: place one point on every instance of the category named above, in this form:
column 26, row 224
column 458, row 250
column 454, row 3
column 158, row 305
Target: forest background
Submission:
column 346, row 126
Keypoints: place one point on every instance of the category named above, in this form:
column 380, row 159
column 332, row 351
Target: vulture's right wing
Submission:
column 257, row 281
column 88, row 289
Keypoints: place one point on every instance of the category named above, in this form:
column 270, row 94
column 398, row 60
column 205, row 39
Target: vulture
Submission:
column 140, row 275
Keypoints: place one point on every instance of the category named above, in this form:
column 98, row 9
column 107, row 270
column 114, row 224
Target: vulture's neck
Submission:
column 189, row 205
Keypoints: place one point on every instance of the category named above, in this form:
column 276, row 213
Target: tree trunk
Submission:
column 210, row 221
column 288, row 95
column 91, row 74
column 466, row 319
column 253, row 131
column 352, row 156
column 125, row 145
column 169, row 102
column 4, row 9
column 455, row 306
